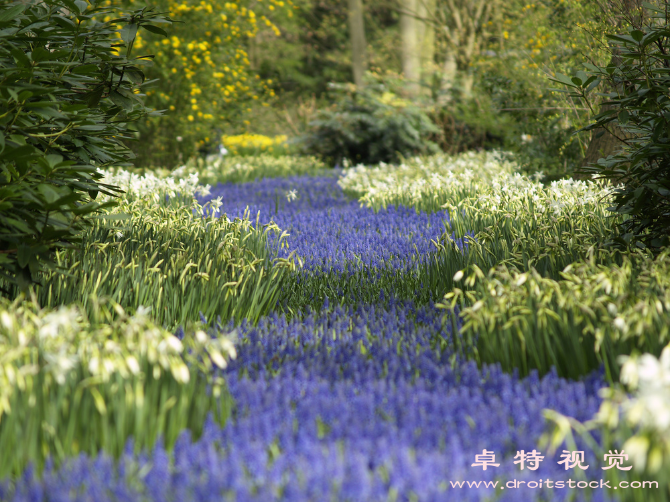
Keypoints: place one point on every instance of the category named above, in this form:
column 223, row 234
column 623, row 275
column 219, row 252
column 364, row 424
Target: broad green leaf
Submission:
column 563, row 79
column 128, row 33
column 120, row 100
column 133, row 75
column 82, row 5
column 86, row 69
column 93, row 98
column 637, row 35
column 23, row 255
column 51, row 194
column 40, row 54
column 11, row 13
column 155, row 29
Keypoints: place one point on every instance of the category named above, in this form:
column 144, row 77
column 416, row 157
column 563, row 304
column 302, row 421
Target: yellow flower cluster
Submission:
column 246, row 144
column 203, row 69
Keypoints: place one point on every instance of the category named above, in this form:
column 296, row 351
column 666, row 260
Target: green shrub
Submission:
column 470, row 124
column 368, row 126
column 67, row 94
column 637, row 112
column 73, row 384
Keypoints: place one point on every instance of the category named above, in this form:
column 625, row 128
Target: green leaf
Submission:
column 128, row 33
column 11, row 13
column 592, row 84
column 25, row 151
column 564, row 79
column 93, row 98
column 20, row 57
column 620, row 38
column 23, row 255
column 637, row 35
column 623, row 117
column 82, row 5
column 133, row 75
column 85, row 69
column 40, row 54
column 155, row 29
column 120, row 100
column 50, row 193
column 54, row 160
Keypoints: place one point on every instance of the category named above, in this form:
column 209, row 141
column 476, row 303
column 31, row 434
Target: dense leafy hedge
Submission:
column 68, row 89
column 637, row 113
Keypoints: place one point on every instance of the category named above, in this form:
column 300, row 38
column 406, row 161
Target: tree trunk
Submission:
column 411, row 62
column 449, row 71
column 426, row 17
column 602, row 145
column 358, row 44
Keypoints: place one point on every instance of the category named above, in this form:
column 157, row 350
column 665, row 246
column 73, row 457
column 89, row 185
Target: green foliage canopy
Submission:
column 68, row 90
column 638, row 113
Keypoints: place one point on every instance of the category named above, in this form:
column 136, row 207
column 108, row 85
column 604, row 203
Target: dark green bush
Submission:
column 469, row 124
column 637, row 112
column 368, row 126
column 68, row 90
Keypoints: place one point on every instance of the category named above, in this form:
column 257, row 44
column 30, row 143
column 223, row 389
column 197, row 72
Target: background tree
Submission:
column 358, row 44
column 465, row 28
column 638, row 108
column 425, row 16
column 410, row 44
column 203, row 75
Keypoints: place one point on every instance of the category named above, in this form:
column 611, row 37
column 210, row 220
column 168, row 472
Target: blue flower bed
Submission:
column 347, row 403
column 330, row 231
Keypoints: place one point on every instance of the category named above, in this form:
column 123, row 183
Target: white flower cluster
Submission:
column 492, row 182
column 150, row 185
column 65, row 341
column 422, row 177
column 515, row 191
column 649, row 378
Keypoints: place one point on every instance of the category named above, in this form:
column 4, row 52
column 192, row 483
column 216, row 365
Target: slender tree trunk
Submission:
column 601, row 146
column 427, row 36
column 467, row 83
column 411, row 61
column 449, row 71
column 358, row 43
column 427, row 45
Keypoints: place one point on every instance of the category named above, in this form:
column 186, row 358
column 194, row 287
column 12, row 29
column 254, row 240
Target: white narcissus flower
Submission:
column 620, row 324
column 201, row 337
column 133, row 365
column 174, row 344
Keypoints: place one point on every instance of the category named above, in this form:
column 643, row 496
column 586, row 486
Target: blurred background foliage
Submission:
column 477, row 69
